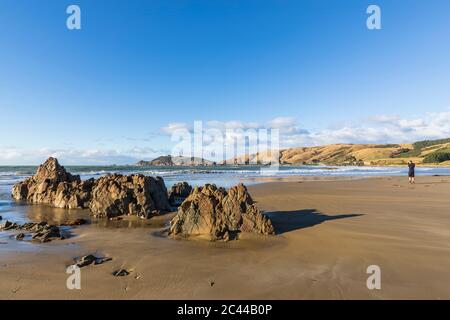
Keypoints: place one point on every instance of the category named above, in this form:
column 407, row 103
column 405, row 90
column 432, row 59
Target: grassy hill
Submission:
column 435, row 152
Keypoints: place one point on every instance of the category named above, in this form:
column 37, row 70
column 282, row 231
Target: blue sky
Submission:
column 112, row 91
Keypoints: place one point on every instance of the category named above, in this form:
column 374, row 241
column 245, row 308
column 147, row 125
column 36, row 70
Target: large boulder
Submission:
column 178, row 193
column 219, row 215
column 115, row 194
column 53, row 185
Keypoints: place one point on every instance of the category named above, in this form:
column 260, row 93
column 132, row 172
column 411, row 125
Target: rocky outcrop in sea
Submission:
column 114, row 195
column 53, row 185
column 219, row 214
column 204, row 211
column 109, row 196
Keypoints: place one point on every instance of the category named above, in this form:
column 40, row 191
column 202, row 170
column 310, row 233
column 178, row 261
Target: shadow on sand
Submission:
column 286, row 221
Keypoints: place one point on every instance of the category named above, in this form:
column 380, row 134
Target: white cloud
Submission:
column 375, row 129
column 18, row 156
column 282, row 122
column 382, row 118
column 379, row 129
column 175, row 126
column 232, row 125
column 287, row 126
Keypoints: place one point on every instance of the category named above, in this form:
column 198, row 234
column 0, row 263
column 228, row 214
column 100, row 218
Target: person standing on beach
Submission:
column 411, row 173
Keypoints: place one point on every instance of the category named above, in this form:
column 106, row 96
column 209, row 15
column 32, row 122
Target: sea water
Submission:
column 221, row 176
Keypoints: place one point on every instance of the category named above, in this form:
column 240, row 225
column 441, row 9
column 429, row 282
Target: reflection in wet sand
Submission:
column 57, row 216
column 21, row 213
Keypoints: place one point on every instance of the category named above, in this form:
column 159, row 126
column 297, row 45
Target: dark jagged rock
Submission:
column 42, row 231
column 8, row 225
column 20, row 236
column 178, row 193
column 91, row 259
column 86, row 260
column 47, row 233
column 114, row 195
column 218, row 214
column 121, row 273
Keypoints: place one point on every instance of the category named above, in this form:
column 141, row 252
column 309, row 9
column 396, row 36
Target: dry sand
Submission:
column 329, row 233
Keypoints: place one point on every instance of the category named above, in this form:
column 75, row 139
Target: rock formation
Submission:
column 91, row 259
column 168, row 161
column 121, row 273
column 53, row 185
column 178, row 193
column 109, row 196
column 41, row 231
column 114, row 195
column 218, row 214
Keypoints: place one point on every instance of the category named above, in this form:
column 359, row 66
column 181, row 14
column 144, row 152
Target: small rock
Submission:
column 102, row 260
column 20, row 236
column 86, row 260
column 47, row 233
column 91, row 259
column 8, row 225
column 28, row 226
column 211, row 283
column 5, row 225
column 41, row 231
column 120, row 273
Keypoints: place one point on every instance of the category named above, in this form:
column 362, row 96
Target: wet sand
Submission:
column 329, row 233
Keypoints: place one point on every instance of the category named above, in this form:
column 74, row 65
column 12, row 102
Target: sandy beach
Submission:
column 329, row 232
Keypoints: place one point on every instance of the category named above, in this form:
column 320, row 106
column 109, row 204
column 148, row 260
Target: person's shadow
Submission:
column 285, row 221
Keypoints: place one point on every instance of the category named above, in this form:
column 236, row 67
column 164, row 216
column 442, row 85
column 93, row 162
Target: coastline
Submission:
column 328, row 233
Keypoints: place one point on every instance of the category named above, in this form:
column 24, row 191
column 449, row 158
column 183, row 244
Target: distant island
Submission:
column 168, row 161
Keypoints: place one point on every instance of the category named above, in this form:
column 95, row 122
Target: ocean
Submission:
column 221, row 176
